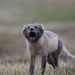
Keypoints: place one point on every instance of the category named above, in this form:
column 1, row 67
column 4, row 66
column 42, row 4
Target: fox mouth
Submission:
column 32, row 36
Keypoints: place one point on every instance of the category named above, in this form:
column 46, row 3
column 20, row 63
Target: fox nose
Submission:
column 31, row 29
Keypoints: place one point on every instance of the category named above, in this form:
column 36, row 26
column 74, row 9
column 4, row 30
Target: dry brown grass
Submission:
column 23, row 69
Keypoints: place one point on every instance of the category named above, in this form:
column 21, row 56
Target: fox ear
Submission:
column 42, row 26
column 23, row 28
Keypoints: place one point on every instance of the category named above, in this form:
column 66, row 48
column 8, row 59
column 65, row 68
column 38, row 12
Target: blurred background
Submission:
column 56, row 15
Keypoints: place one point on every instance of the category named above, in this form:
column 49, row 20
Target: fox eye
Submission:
column 36, row 27
column 28, row 27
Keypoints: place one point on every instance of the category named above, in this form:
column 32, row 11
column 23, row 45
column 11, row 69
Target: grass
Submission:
column 23, row 69
column 37, row 14
column 56, row 14
column 25, row 12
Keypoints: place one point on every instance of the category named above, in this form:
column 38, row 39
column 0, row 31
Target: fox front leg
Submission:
column 32, row 65
column 43, row 65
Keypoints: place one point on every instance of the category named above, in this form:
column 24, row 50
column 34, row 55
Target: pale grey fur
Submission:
column 49, row 46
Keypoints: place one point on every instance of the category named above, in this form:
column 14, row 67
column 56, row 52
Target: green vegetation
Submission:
column 23, row 12
column 56, row 15
column 37, row 14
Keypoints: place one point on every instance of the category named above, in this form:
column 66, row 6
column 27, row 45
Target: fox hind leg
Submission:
column 53, row 60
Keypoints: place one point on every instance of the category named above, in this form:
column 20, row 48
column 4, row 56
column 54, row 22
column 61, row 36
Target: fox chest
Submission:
column 37, row 50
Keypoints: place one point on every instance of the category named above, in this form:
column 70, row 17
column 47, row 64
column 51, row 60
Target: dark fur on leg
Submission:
column 53, row 60
column 32, row 64
column 43, row 66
